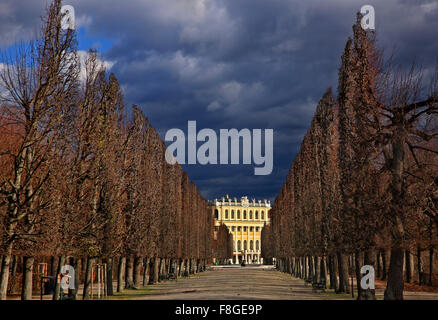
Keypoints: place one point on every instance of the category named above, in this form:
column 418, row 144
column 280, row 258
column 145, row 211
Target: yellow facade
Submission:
column 245, row 220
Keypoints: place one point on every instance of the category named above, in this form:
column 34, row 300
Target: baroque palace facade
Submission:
column 245, row 220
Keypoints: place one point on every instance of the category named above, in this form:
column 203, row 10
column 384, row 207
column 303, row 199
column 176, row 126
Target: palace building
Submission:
column 245, row 220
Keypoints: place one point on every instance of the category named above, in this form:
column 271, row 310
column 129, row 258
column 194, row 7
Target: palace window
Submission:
column 238, row 228
column 232, row 214
column 238, row 214
column 251, row 229
column 216, row 214
column 226, row 214
column 251, row 245
column 257, row 245
column 250, row 215
column 244, row 214
column 263, row 215
column 244, row 245
column 233, row 228
column 257, row 229
column 256, row 215
column 239, row 245
column 244, row 229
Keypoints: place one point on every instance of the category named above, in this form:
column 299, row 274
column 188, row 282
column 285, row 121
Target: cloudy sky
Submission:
column 232, row 63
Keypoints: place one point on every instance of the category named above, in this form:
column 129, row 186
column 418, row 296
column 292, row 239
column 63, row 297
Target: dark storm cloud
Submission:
column 243, row 64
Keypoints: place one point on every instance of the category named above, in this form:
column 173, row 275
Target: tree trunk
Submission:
column 395, row 284
column 154, row 270
column 192, row 266
column 198, row 264
column 151, row 270
column 129, row 274
column 13, row 271
column 88, row 278
column 316, row 277
column 431, row 266
column 109, row 276
column 146, row 272
column 160, row 268
column 357, row 265
column 369, row 294
column 310, row 266
column 52, row 266
column 57, row 293
column 419, row 267
column 408, row 270
column 304, row 267
column 379, row 265
column 333, row 275
column 121, row 273
column 343, row 273
column 5, row 274
column 187, row 266
column 384, row 264
column 323, row 271
column 26, row 289
column 301, row 268
column 77, row 265
column 181, row 268
column 138, row 262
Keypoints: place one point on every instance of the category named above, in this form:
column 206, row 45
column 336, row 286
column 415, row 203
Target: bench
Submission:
column 308, row 281
column 318, row 286
column 167, row 276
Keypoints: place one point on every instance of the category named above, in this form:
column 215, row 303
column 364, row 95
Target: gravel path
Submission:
column 251, row 282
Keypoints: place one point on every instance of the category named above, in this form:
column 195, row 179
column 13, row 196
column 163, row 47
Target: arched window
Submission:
column 251, row 229
column 226, row 214
column 257, row 245
column 256, row 215
column 251, row 245
column 250, row 215
column 238, row 214
column 239, row 245
column 244, row 245
column 232, row 214
column 244, row 214
column 216, row 214
column 244, row 229
column 263, row 215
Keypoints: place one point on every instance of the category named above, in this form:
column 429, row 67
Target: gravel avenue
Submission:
column 247, row 283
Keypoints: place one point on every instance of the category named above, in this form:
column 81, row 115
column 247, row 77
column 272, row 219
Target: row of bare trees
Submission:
column 363, row 189
column 83, row 179
column 223, row 244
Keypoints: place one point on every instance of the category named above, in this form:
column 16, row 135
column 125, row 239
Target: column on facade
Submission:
column 241, row 241
column 234, row 247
